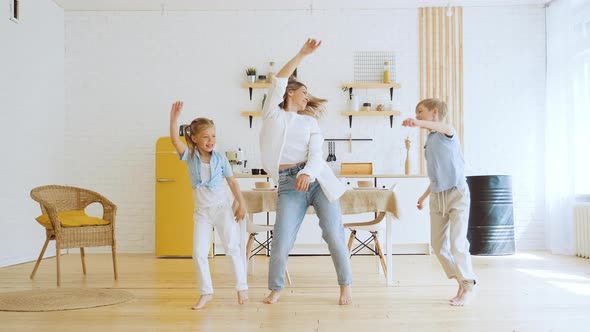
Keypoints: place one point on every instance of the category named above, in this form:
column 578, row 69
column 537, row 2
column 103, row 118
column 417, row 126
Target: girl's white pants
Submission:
column 221, row 217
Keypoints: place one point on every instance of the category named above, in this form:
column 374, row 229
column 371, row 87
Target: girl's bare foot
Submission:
column 345, row 295
column 459, row 293
column 243, row 296
column 466, row 296
column 273, row 297
column 202, row 301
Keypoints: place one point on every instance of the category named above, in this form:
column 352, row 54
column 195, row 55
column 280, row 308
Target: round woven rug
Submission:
column 61, row 299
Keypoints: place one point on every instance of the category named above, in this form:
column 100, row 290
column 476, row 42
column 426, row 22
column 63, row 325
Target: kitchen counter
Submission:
column 380, row 176
column 411, row 234
column 368, row 176
column 250, row 176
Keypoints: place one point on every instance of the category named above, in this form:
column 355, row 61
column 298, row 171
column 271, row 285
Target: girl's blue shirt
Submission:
column 220, row 169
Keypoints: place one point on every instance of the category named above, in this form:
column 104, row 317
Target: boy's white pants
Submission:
column 221, row 217
column 449, row 220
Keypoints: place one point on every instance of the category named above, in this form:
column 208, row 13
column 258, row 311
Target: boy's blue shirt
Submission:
column 444, row 161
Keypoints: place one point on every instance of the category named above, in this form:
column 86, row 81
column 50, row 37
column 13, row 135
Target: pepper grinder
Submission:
column 407, row 141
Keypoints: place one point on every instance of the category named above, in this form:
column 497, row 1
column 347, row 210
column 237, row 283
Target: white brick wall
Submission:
column 504, row 51
column 123, row 69
column 32, row 120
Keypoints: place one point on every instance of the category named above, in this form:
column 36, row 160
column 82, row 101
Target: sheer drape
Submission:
column 559, row 118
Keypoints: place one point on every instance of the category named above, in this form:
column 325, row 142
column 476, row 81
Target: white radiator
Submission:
column 582, row 218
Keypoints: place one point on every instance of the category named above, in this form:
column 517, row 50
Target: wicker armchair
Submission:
column 56, row 199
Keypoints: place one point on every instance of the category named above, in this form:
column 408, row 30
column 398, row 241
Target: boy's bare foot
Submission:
column 459, row 293
column 273, row 297
column 243, row 296
column 345, row 295
column 202, row 301
column 466, row 296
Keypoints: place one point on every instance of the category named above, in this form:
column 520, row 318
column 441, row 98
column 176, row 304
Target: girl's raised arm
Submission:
column 175, row 111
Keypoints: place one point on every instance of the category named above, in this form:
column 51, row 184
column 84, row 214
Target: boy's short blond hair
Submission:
column 432, row 103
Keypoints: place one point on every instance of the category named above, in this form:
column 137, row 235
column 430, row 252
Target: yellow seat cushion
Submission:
column 75, row 218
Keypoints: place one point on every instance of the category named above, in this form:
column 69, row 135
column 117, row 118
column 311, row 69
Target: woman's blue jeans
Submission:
column 291, row 208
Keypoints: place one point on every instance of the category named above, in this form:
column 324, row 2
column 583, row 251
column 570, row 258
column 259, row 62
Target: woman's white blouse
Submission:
column 299, row 131
column 278, row 127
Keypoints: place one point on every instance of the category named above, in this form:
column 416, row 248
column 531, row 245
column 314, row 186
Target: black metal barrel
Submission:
column 491, row 215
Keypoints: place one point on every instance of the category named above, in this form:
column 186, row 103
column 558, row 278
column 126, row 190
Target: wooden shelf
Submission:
column 350, row 114
column 374, row 85
column 253, row 113
column 250, row 115
column 373, row 113
column 391, row 114
column 349, row 86
column 257, row 85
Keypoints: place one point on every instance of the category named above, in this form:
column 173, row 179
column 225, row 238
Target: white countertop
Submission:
column 368, row 176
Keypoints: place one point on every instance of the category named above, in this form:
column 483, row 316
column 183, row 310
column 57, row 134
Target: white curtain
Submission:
column 562, row 17
column 568, row 48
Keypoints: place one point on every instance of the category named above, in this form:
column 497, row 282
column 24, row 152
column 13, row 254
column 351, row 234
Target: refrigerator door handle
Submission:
column 165, row 180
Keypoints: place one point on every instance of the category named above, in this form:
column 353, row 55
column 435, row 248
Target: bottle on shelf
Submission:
column 386, row 72
column 271, row 72
column 355, row 103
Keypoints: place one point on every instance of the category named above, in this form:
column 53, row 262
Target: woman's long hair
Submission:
column 315, row 106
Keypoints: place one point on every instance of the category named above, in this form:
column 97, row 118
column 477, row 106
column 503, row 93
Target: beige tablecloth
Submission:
column 352, row 202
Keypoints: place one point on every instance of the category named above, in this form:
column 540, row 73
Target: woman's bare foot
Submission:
column 273, row 297
column 243, row 296
column 345, row 295
column 459, row 293
column 202, row 301
column 466, row 296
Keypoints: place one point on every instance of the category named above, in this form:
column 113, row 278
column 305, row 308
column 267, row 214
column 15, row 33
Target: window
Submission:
column 582, row 125
column 581, row 105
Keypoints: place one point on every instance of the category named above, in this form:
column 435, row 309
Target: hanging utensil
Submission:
column 334, row 152
column 331, row 156
column 331, row 151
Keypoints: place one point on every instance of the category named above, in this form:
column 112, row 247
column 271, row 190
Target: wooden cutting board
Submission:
column 356, row 168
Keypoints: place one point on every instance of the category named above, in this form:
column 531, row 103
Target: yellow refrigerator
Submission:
column 174, row 203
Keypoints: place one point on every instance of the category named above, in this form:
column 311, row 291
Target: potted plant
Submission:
column 251, row 73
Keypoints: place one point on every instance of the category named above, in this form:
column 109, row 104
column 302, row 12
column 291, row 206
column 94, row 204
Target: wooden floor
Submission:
column 523, row 292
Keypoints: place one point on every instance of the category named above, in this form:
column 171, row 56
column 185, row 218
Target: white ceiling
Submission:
column 203, row 5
